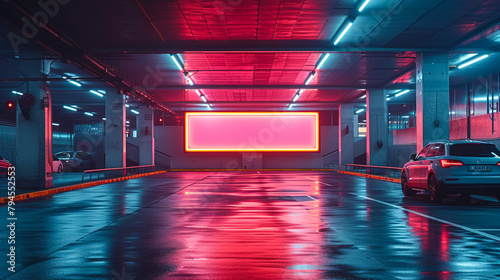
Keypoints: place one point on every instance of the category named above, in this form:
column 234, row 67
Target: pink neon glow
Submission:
column 252, row 131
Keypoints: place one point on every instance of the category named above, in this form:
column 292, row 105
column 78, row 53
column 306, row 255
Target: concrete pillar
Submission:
column 355, row 126
column 433, row 101
column 34, row 126
column 376, row 127
column 145, row 133
column 114, row 141
column 346, row 135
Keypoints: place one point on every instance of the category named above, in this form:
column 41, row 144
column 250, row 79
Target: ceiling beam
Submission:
column 248, row 102
column 322, row 87
column 256, row 46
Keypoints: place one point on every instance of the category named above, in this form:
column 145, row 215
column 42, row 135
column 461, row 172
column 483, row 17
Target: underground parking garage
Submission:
column 249, row 139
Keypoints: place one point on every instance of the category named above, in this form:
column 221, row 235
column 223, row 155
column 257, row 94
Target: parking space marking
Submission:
column 479, row 232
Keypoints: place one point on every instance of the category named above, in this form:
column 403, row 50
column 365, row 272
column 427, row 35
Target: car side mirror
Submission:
column 413, row 156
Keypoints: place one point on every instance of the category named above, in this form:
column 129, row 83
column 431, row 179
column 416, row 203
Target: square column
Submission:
column 433, row 98
column 115, row 148
column 34, row 126
column 346, row 135
column 145, row 132
column 376, row 127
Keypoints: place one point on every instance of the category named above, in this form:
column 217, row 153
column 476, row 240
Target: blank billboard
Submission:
column 251, row 131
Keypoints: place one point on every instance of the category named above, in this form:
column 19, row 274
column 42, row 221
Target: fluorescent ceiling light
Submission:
column 198, row 92
column 134, row 111
column 70, row 108
column 405, row 117
column 55, row 124
column 301, row 91
column 401, row 93
column 343, row 33
column 362, row 97
column 102, row 91
column 191, row 83
column 359, row 111
column 103, row 119
column 89, row 114
column 177, row 62
column 466, row 57
column 127, row 121
column 388, row 98
column 126, row 105
column 208, row 107
column 325, row 57
column 311, row 76
column 290, row 106
column 472, row 61
column 73, row 82
column 203, row 98
column 96, row 93
column 478, row 99
column 17, row 92
column 363, row 6
column 296, row 97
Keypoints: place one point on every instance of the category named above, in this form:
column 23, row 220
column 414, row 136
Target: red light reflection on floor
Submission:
column 267, row 231
column 432, row 235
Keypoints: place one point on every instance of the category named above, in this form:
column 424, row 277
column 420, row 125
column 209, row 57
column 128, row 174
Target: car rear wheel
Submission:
column 407, row 191
column 436, row 194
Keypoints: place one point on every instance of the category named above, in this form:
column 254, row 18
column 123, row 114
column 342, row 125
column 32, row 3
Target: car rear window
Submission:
column 474, row 150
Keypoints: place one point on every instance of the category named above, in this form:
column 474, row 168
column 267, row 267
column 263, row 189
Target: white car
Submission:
column 453, row 167
column 57, row 165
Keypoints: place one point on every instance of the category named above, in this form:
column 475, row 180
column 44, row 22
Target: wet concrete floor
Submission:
column 253, row 225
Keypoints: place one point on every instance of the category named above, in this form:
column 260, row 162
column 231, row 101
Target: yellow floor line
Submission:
column 30, row 195
column 370, row 176
column 222, row 170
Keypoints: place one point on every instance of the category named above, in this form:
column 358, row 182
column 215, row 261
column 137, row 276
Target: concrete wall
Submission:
column 397, row 156
column 8, row 143
column 404, row 136
column 170, row 140
column 480, row 127
column 61, row 141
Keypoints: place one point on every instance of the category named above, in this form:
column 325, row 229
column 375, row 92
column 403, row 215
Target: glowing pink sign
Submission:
column 253, row 131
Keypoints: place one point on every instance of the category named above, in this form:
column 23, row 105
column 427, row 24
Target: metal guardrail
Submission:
column 385, row 171
column 118, row 172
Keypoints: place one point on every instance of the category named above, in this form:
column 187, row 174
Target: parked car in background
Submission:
column 76, row 161
column 4, row 166
column 453, row 167
column 57, row 166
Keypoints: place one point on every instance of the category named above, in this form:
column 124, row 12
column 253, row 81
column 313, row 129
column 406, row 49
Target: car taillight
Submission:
column 498, row 163
column 446, row 163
